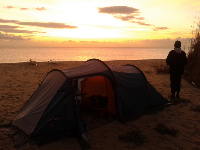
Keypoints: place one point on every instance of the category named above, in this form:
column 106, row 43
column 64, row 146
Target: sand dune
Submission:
column 19, row 81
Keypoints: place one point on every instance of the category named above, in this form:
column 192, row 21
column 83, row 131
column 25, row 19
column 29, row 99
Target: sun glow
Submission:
column 85, row 32
column 50, row 20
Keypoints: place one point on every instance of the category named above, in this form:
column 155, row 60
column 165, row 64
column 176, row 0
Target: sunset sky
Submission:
column 97, row 23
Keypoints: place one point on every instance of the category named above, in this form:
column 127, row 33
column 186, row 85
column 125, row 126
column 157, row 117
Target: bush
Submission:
column 162, row 129
column 196, row 108
column 193, row 67
column 31, row 62
column 161, row 68
column 133, row 136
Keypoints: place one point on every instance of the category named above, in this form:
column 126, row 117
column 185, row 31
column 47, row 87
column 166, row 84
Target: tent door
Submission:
column 100, row 94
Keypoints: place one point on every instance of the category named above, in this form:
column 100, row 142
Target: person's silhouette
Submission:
column 176, row 60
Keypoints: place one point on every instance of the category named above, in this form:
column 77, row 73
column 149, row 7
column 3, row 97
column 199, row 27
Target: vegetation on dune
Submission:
column 161, row 68
column 31, row 62
column 196, row 108
column 192, row 72
column 135, row 136
column 162, row 129
column 192, row 69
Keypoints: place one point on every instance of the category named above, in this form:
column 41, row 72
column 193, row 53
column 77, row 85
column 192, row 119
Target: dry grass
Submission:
column 196, row 108
column 31, row 62
column 135, row 136
column 162, row 68
column 162, row 129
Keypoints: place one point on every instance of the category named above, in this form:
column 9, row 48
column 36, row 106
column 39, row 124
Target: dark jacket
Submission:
column 176, row 62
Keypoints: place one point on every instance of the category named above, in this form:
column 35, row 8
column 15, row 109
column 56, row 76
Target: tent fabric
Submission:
column 156, row 98
column 61, row 118
column 93, row 67
column 28, row 117
column 131, row 92
column 90, row 67
column 54, row 105
column 124, row 69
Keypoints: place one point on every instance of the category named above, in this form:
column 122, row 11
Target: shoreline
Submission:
column 75, row 61
column 20, row 80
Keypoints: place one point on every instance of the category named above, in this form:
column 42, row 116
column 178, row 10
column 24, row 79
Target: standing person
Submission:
column 176, row 60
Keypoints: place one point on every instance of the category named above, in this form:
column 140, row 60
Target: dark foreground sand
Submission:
column 19, row 81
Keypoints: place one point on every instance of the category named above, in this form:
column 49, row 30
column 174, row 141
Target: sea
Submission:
column 45, row 54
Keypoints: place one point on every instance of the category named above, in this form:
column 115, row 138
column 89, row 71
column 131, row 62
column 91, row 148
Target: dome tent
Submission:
column 54, row 106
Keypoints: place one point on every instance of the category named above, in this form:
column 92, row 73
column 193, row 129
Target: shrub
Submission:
column 162, row 129
column 196, row 108
column 135, row 136
column 31, row 62
column 161, row 68
column 193, row 67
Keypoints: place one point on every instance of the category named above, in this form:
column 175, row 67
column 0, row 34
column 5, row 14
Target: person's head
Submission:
column 177, row 44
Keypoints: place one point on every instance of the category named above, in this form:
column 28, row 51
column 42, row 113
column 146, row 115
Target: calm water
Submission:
column 16, row 54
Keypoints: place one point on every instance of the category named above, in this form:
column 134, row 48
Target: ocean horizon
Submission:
column 45, row 54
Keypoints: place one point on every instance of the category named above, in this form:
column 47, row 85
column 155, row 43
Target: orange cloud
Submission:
column 41, row 8
column 13, row 29
column 48, row 25
column 24, row 9
column 160, row 28
column 8, row 21
column 69, row 41
column 9, row 7
column 10, row 37
column 118, row 10
column 83, row 41
column 41, row 24
column 124, row 13
column 37, row 8
column 141, row 23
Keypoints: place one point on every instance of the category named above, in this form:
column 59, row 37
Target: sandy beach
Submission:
column 19, row 81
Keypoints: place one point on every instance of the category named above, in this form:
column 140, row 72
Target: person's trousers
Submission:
column 175, row 82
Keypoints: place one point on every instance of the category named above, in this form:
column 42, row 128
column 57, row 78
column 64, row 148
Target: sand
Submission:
column 19, row 81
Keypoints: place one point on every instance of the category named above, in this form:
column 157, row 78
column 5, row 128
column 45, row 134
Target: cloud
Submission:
column 41, row 8
column 8, row 21
column 124, row 13
column 8, row 26
column 140, row 18
column 118, row 10
column 48, row 25
column 37, row 8
column 125, row 18
column 167, row 40
column 13, row 29
column 41, row 24
column 41, row 32
column 94, row 42
column 10, row 37
column 24, row 9
column 69, row 41
column 9, row 7
column 141, row 23
column 83, row 41
column 160, row 28
column 8, row 30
